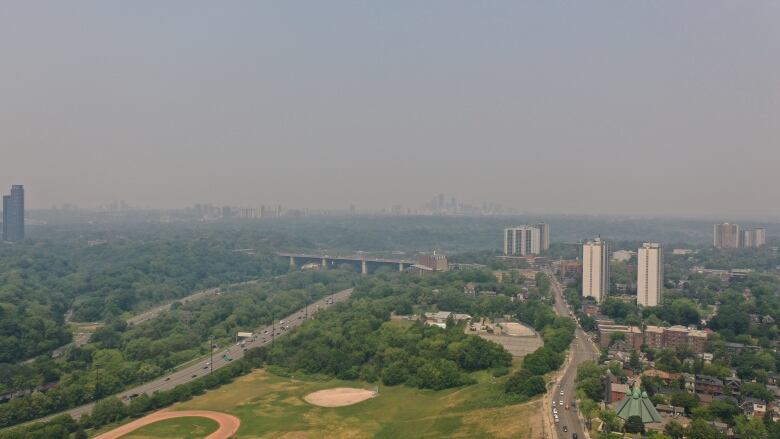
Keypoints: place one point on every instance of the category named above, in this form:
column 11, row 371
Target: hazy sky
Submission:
column 660, row 107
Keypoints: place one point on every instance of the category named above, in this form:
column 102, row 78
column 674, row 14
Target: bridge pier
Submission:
column 292, row 261
column 363, row 267
column 401, row 267
column 324, row 264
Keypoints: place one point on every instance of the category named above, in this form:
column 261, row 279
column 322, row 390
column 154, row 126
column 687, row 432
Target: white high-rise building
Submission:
column 544, row 236
column 753, row 238
column 521, row 241
column 650, row 275
column 595, row 269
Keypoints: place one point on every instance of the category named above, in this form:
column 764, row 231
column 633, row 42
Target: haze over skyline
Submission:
column 591, row 107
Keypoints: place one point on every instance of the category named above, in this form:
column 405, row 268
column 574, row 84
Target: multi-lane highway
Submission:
column 581, row 349
column 205, row 365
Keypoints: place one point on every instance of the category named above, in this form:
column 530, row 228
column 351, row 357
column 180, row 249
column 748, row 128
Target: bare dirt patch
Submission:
column 339, row 396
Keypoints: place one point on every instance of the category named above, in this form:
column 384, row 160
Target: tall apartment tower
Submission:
column 726, row 235
column 650, row 275
column 544, row 236
column 13, row 214
column 595, row 269
column 521, row 241
column 753, row 238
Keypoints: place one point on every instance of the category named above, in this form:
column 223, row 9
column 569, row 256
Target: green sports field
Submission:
column 272, row 406
column 179, row 428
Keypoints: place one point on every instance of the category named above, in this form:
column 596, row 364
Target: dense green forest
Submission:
column 41, row 280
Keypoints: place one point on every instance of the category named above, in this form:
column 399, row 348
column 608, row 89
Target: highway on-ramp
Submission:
column 235, row 352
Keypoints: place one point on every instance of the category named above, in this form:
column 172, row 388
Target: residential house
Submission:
column 708, row 385
column 753, row 407
column 668, row 378
column 734, row 384
column 670, row 410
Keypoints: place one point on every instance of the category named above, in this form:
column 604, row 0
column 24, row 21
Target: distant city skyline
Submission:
column 656, row 110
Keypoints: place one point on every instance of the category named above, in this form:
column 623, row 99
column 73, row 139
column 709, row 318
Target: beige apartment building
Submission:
column 595, row 269
column 726, row 235
column 650, row 275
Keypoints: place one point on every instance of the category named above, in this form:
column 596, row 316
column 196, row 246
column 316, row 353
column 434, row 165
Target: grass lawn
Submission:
column 179, row 428
column 273, row 406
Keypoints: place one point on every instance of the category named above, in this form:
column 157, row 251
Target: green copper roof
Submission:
column 637, row 404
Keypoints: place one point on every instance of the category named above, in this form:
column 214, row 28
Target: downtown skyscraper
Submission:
column 13, row 214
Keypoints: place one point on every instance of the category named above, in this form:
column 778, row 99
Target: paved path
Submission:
column 228, row 424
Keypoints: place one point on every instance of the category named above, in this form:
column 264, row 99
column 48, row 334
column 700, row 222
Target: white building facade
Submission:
column 595, row 269
column 650, row 275
column 522, row 241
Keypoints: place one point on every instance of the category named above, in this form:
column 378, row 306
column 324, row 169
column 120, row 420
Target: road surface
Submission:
column 156, row 311
column 200, row 368
column 83, row 338
column 581, row 349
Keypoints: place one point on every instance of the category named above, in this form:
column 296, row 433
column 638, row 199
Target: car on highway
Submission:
column 561, row 392
column 574, row 436
column 565, row 429
column 194, row 375
column 557, row 420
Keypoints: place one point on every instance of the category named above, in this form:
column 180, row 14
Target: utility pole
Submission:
column 273, row 327
column 97, row 381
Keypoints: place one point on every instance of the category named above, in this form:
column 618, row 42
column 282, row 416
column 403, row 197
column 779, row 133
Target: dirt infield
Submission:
column 339, row 396
column 228, row 424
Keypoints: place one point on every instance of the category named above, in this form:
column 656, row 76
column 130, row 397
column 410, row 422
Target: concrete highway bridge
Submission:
column 365, row 264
